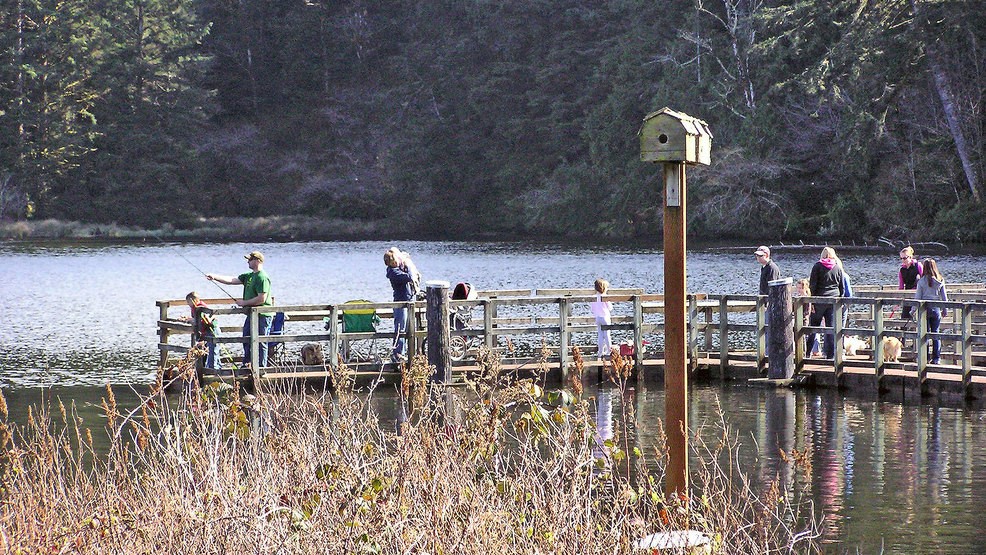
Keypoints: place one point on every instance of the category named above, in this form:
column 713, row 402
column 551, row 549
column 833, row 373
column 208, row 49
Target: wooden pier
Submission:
column 726, row 337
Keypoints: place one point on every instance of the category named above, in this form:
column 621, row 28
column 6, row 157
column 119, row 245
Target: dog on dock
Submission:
column 311, row 355
column 892, row 348
column 853, row 344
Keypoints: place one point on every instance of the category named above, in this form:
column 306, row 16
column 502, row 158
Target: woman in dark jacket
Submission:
column 402, row 281
column 825, row 280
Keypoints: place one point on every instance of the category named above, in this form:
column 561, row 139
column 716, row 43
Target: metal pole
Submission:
column 675, row 325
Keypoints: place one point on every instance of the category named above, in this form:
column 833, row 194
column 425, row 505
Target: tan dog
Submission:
column 891, row 349
column 852, row 344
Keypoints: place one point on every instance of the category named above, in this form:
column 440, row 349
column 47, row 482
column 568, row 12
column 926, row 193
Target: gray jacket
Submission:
column 930, row 289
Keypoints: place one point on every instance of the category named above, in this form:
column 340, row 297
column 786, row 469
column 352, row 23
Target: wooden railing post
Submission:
column 334, row 327
column 878, row 361
column 410, row 330
column 723, row 336
column 638, row 337
column 163, row 333
column 838, row 358
column 966, row 346
column 692, row 333
column 563, row 308
column 799, row 339
column 254, row 315
column 761, row 334
column 708, row 333
column 921, row 343
column 489, row 309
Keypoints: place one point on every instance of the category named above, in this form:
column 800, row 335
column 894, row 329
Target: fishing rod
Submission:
column 199, row 270
column 222, row 347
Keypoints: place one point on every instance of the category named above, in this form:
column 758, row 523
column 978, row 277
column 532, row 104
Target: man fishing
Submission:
column 256, row 292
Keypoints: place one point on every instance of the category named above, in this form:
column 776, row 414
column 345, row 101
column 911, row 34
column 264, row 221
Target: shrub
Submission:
column 503, row 467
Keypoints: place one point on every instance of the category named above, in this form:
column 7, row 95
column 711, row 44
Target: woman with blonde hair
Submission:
column 931, row 287
column 825, row 280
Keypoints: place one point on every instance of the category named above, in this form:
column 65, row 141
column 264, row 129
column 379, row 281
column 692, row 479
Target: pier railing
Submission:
column 726, row 333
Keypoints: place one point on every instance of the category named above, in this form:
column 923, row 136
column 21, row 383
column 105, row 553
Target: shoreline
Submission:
column 280, row 229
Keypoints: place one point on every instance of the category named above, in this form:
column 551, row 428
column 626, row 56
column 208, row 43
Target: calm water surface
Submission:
column 889, row 478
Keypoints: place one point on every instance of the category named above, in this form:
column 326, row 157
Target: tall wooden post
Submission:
column 675, row 139
column 780, row 348
column 439, row 336
column 675, row 369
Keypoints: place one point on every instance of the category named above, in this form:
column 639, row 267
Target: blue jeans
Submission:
column 263, row 329
column 934, row 324
column 822, row 312
column 400, row 328
column 210, row 360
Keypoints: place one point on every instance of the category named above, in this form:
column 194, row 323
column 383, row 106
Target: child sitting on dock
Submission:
column 602, row 311
column 205, row 328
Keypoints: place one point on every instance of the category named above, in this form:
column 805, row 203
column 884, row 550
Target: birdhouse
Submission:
column 669, row 136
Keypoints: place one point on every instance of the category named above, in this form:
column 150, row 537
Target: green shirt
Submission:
column 255, row 283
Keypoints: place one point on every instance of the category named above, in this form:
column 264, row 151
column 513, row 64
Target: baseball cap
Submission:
column 762, row 249
column 255, row 255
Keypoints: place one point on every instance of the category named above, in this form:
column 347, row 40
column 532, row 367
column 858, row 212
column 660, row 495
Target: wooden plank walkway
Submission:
column 725, row 336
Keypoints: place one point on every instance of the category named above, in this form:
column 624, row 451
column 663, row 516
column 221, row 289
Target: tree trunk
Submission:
column 948, row 104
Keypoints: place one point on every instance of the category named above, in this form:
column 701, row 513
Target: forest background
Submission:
column 459, row 118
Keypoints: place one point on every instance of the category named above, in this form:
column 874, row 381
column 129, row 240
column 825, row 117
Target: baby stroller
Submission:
column 459, row 320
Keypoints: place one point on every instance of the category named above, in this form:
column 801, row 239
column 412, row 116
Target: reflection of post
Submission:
column 780, row 323
column 675, row 373
column 780, row 409
column 604, row 422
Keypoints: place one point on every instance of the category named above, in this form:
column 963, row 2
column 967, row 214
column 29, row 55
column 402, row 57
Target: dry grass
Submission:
column 501, row 468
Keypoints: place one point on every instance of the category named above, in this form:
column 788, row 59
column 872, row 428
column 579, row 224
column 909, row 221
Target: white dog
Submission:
column 852, row 344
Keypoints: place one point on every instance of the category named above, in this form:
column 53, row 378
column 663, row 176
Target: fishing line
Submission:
column 222, row 347
column 199, row 270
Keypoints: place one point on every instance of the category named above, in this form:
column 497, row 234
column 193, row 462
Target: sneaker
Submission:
column 936, row 361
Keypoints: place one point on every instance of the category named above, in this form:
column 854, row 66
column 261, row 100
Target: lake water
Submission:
column 890, row 478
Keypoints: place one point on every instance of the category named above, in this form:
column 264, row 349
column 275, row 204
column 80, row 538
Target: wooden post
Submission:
column 692, row 333
column 839, row 354
column 921, row 343
column 708, row 310
column 488, row 309
column 254, row 315
column 675, row 371
column 966, row 345
column 723, row 336
column 675, row 139
column 438, row 330
column 799, row 340
column 410, row 330
column 780, row 350
column 638, row 337
column 761, row 343
column 563, row 338
column 163, row 334
column 334, row 328
column 878, row 343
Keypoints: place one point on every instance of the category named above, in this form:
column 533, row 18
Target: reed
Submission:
column 500, row 467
